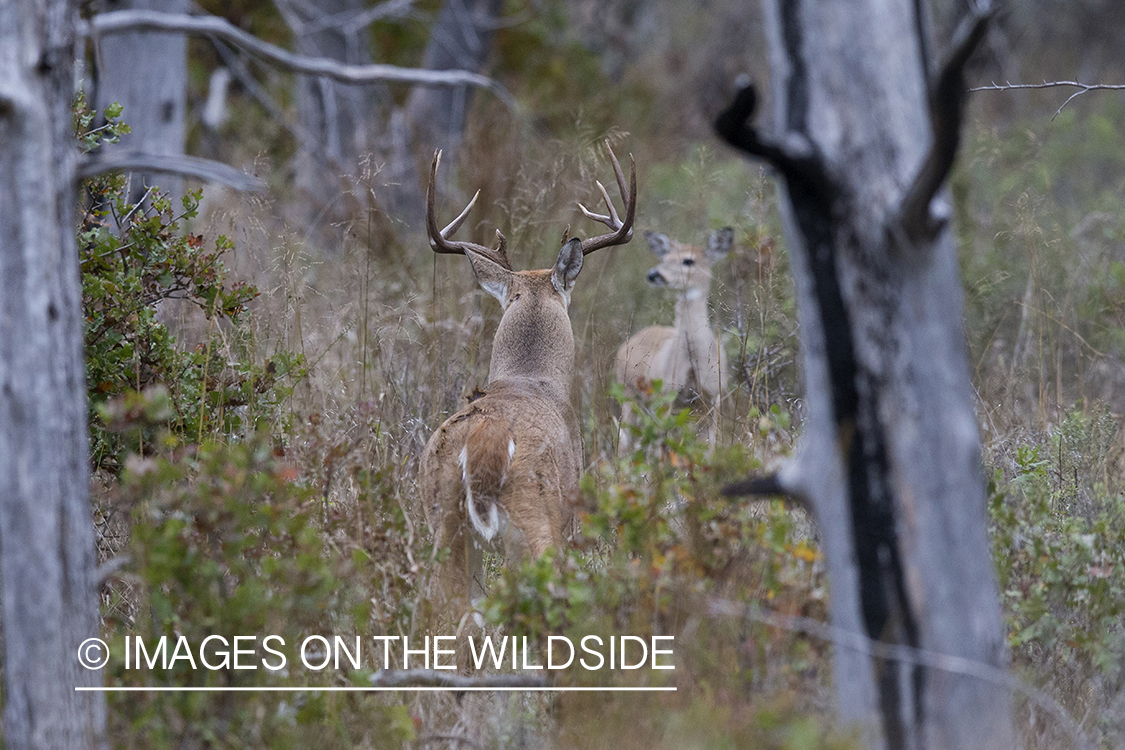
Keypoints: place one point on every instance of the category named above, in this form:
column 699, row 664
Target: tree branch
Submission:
column 119, row 21
column 947, row 109
column 191, row 166
column 431, row 678
column 770, row 485
column 429, row 739
column 1083, row 88
column 792, row 155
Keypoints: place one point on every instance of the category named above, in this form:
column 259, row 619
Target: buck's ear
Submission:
column 567, row 266
column 658, row 243
column 720, row 243
column 492, row 277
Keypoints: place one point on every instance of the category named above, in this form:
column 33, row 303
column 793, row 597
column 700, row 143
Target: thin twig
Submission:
column 899, row 652
column 119, row 21
column 1083, row 88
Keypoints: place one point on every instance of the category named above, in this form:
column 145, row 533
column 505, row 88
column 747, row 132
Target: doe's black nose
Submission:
column 654, row 276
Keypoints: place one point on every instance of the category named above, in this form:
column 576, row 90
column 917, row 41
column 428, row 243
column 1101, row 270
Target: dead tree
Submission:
column 147, row 74
column 460, row 38
column 46, row 537
column 340, row 119
column 865, row 131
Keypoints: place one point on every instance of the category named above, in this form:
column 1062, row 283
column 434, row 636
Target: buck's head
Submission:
column 687, row 268
column 534, row 338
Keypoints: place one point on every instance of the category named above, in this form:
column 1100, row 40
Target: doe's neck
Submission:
column 691, row 310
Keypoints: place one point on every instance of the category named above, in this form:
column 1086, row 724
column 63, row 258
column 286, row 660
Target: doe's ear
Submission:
column 658, row 243
column 720, row 243
column 492, row 277
column 567, row 266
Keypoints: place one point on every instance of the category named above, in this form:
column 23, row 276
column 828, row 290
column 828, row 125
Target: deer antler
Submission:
column 440, row 242
column 622, row 230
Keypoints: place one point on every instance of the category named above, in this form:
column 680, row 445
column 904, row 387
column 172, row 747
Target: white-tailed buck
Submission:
column 686, row 356
column 504, row 470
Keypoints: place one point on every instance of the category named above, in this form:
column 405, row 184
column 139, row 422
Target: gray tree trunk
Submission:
column 889, row 458
column 434, row 117
column 48, row 600
column 338, row 118
column 146, row 73
column 461, row 37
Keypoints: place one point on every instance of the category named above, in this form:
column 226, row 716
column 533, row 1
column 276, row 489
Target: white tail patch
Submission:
column 511, row 453
column 487, row 529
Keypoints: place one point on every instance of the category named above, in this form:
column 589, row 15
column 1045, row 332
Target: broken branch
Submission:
column 118, row 21
column 947, row 109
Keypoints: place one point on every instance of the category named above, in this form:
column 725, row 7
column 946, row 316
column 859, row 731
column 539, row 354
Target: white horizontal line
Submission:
column 358, row 689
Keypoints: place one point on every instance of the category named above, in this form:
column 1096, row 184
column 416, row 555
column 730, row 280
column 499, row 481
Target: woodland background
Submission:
column 264, row 369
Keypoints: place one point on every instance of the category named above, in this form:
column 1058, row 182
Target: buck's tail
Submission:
column 484, row 463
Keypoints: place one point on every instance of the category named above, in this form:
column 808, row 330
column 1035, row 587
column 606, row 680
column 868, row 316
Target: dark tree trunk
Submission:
column 46, row 536
column 146, row 73
column 889, row 459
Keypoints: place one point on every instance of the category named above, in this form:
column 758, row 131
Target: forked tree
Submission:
column 46, row 538
column 866, row 126
column 503, row 472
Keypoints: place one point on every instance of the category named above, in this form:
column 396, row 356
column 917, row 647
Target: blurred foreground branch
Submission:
column 190, row 166
column 430, row 678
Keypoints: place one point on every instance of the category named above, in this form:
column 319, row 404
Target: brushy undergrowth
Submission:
column 258, row 409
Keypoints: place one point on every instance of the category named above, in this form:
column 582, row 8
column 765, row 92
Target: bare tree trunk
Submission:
column 890, row 457
column 433, row 118
column 46, row 536
column 146, row 73
column 461, row 37
column 337, row 117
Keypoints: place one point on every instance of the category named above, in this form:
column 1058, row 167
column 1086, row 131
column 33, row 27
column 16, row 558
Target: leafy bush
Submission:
column 658, row 545
column 134, row 259
column 226, row 540
column 1058, row 548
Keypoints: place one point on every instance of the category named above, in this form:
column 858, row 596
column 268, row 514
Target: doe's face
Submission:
column 684, row 267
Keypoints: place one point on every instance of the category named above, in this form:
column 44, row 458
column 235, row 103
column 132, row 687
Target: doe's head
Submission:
column 687, row 267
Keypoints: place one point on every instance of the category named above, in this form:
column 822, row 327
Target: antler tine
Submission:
column 623, row 230
column 439, row 240
column 454, row 225
column 610, row 221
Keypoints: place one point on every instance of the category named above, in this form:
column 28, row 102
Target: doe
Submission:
column 686, row 356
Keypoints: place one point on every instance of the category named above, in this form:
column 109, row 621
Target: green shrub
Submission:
column 135, row 258
column 658, row 543
column 1057, row 542
column 228, row 540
